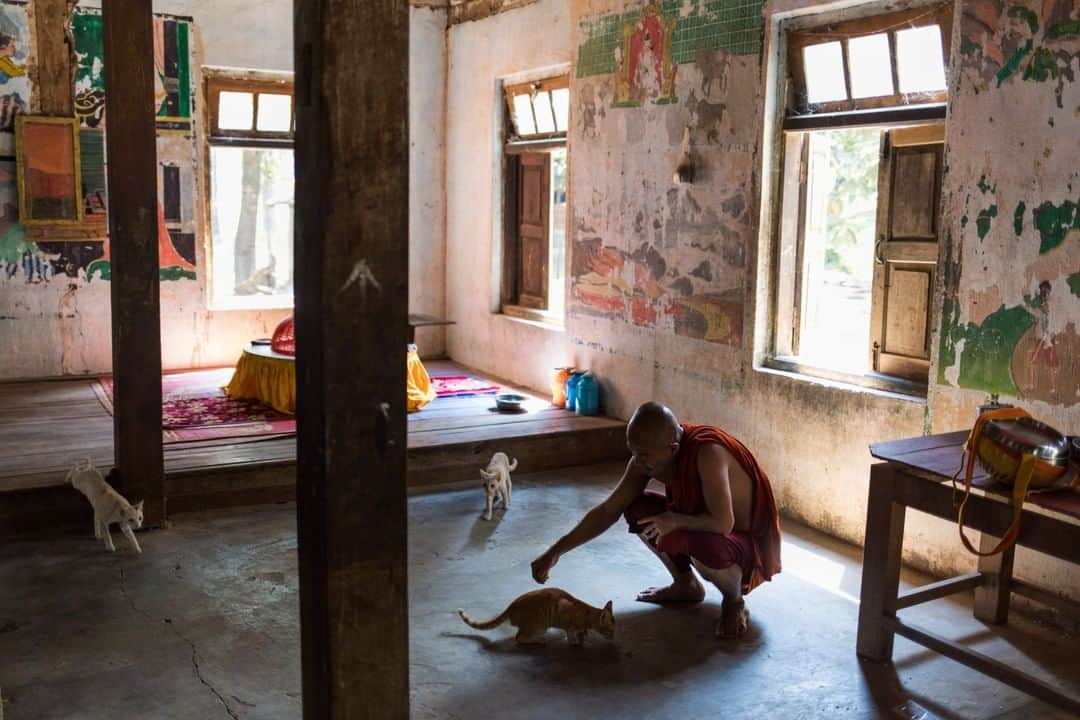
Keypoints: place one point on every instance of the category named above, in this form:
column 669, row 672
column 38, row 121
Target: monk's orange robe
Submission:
column 685, row 495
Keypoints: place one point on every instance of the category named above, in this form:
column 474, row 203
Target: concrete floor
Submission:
column 204, row 625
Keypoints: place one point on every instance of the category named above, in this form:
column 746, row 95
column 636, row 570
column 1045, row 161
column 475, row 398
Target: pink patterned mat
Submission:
column 194, row 407
column 462, row 385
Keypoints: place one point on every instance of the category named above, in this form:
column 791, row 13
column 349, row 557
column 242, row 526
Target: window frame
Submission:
column 215, row 81
column 898, row 107
column 219, row 82
column 548, row 85
column 787, row 218
column 514, row 147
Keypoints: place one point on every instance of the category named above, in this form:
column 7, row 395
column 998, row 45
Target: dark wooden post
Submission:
column 133, row 249
column 351, row 292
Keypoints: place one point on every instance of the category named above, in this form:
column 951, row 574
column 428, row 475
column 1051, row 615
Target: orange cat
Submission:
column 534, row 612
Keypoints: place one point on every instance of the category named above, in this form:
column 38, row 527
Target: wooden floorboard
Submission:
column 50, row 424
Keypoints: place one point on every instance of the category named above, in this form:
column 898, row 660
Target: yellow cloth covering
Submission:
column 418, row 390
column 270, row 380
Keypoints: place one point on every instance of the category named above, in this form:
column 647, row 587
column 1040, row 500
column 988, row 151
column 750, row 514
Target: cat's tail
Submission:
column 79, row 466
column 492, row 623
column 512, row 466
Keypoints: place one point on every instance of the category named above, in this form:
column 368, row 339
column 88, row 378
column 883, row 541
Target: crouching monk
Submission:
column 717, row 516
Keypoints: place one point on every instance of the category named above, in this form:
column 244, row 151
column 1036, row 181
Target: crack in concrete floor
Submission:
column 194, row 651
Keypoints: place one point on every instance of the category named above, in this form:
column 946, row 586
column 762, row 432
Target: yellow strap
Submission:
column 1020, row 483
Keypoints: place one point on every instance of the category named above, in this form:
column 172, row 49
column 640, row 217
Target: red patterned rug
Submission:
column 194, row 407
column 461, row 386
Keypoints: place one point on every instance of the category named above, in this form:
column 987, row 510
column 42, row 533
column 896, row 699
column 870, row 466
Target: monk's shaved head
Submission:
column 653, row 423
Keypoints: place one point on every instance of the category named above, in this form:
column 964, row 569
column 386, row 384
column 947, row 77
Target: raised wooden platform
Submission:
column 47, row 426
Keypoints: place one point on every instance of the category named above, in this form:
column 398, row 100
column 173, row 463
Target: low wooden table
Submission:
column 916, row 473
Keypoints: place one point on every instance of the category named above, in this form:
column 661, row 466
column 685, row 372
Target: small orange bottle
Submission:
column 558, row 386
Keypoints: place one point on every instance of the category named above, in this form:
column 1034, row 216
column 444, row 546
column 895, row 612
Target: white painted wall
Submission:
column 427, row 173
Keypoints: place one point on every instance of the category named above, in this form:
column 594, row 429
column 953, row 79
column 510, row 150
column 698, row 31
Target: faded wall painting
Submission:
column 644, row 70
column 50, row 186
column 173, row 103
column 1011, row 315
column 172, row 65
column 14, row 75
column 647, row 250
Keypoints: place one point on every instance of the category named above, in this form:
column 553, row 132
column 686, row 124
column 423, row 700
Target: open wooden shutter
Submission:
column 534, row 187
column 906, row 253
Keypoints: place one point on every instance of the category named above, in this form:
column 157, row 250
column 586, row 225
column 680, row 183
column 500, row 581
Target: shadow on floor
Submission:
column 640, row 653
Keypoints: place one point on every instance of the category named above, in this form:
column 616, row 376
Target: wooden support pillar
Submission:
column 352, row 161
column 133, row 249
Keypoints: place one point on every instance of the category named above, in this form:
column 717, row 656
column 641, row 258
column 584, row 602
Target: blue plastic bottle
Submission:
column 588, row 395
column 572, row 388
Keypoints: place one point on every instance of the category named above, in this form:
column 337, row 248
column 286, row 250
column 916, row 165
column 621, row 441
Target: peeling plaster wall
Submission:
column 1012, row 208
column 670, row 283
column 60, row 324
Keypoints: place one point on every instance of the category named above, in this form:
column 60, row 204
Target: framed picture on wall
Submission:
column 50, row 181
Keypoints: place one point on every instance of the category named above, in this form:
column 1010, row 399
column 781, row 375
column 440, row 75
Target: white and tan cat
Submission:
column 497, row 481
column 536, row 611
column 109, row 506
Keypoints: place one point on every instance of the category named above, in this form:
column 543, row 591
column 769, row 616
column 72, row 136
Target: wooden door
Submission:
column 534, row 209
column 906, row 252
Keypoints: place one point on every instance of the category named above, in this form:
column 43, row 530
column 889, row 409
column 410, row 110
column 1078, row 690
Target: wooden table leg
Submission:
column 992, row 597
column 881, row 565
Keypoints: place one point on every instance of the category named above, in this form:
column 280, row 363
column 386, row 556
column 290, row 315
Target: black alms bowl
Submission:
column 510, row 402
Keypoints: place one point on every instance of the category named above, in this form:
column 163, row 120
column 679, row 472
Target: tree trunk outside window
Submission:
column 244, row 246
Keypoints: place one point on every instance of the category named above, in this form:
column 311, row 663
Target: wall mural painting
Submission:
column 173, row 103
column 612, row 283
column 644, row 70
column 92, row 166
column 14, row 76
column 1015, row 330
column 176, row 255
column 643, row 48
column 669, row 258
column 50, row 183
column 172, row 79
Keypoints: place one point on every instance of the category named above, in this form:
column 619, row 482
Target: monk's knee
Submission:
column 676, row 542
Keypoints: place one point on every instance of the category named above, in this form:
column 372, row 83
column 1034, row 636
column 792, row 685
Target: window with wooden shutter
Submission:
column 857, row 197
column 533, row 190
column 906, row 252
column 535, row 199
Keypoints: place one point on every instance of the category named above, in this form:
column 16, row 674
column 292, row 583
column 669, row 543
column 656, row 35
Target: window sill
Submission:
column 537, row 318
column 869, row 382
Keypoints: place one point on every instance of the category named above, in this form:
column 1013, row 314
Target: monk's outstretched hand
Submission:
column 542, row 565
column 657, row 526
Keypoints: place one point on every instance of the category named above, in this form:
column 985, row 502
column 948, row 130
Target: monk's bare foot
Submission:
column 686, row 591
column 734, row 620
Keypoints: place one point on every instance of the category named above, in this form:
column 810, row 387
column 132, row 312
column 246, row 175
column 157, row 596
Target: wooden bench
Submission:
column 420, row 320
column 916, row 473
